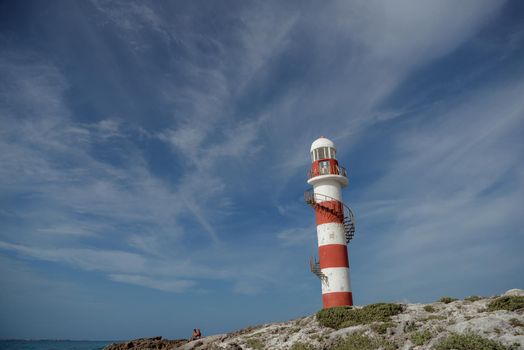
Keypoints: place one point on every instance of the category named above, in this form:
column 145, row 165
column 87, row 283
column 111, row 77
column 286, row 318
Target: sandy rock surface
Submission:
column 436, row 319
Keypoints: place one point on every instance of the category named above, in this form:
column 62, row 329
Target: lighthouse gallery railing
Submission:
column 331, row 170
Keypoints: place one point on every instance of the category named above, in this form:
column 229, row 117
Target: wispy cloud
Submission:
column 144, row 281
column 297, row 236
column 452, row 190
column 240, row 102
column 88, row 259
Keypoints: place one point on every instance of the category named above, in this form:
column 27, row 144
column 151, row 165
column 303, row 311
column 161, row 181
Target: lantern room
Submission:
column 324, row 162
column 323, row 148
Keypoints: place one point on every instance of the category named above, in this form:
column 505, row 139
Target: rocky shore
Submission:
column 148, row 343
column 486, row 322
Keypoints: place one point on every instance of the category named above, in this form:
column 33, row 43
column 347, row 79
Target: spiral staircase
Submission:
column 346, row 216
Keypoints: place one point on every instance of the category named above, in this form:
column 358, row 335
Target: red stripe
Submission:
column 333, row 255
column 337, row 299
column 324, row 216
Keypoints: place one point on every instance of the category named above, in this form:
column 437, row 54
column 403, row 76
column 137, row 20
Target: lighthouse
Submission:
column 335, row 223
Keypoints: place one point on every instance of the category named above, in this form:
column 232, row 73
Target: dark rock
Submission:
column 147, row 343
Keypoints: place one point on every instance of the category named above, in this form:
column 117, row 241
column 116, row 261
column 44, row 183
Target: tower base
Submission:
column 337, row 299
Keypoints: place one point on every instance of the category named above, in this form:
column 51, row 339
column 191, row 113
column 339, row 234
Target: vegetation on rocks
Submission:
column 447, row 300
column 382, row 327
column 470, row 341
column 460, row 325
column 410, row 326
column 472, row 298
column 509, row 303
column 341, row 317
column 302, row 346
column 359, row 341
column 429, row 308
column 421, row 337
column 255, row 343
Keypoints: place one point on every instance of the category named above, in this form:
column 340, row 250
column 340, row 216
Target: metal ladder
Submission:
column 314, row 266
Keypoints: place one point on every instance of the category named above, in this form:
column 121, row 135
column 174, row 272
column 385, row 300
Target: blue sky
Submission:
column 154, row 155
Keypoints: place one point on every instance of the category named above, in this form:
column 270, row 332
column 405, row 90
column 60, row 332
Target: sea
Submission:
column 52, row 345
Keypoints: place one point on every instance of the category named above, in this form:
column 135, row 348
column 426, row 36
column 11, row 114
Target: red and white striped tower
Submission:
column 335, row 223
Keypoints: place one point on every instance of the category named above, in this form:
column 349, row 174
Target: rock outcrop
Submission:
column 147, row 343
column 418, row 326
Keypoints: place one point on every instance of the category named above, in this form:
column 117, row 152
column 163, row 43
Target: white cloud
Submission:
column 176, row 286
column 356, row 55
column 297, row 236
column 407, row 33
column 450, row 197
column 88, row 259
column 108, row 128
column 360, row 52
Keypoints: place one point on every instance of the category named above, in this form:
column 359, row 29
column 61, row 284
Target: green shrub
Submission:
column 433, row 317
column 302, row 346
column 333, row 317
column 447, row 300
column 357, row 341
column 341, row 317
column 469, row 341
column 472, row 298
column 255, row 343
column 510, row 303
column 429, row 308
column 382, row 327
column 421, row 337
column 381, row 311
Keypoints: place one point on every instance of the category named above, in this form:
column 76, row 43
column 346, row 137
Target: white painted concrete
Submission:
column 337, row 280
column 330, row 233
column 342, row 180
column 327, row 189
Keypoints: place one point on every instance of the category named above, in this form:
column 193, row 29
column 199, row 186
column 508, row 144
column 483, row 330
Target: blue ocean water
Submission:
column 52, row 345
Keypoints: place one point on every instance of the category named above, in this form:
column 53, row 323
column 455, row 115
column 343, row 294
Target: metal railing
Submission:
column 331, row 170
column 314, row 267
column 347, row 216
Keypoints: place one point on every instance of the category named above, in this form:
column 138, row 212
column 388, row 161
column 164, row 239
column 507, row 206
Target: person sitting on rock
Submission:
column 196, row 334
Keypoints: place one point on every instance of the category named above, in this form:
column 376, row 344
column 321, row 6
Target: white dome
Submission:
column 322, row 142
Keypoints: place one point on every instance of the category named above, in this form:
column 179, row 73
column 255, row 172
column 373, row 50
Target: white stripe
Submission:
column 331, row 233
column 329, row 188
column 342, row 180
column 337, row 280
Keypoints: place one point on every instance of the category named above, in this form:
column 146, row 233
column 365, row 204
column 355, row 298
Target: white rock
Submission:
column 514, row 293
column 457, row 317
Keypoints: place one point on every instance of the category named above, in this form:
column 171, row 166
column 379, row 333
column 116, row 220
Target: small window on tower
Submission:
column 324, row 167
